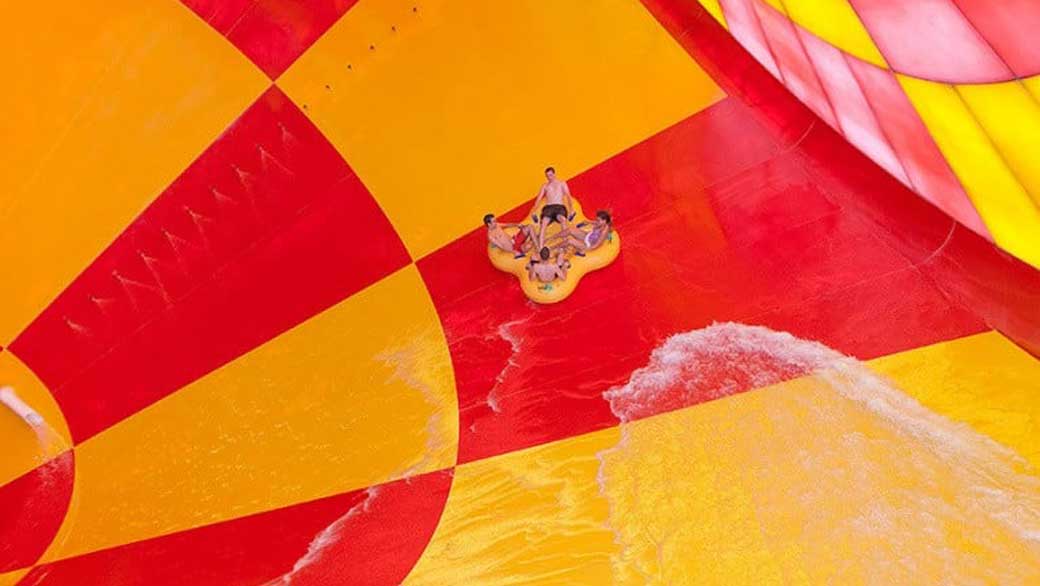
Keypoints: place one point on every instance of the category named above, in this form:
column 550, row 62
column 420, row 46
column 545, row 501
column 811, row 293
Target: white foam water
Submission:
column 328, row 537
column 505, row 332
column 53, row 470
column 837, row 477
column 711, row 363
column 12, row 401
column 48, row 440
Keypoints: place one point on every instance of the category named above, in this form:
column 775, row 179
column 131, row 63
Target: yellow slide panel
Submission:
column 784, row 485
column 984, row 381
column 528, row 517
column 1033, row 85
column 836, row 22
column 1010, row 115
column 24, row 447
column 713, row 7
column 454, row 110
column 12, row 578
column 304, row 416
column 105, row 102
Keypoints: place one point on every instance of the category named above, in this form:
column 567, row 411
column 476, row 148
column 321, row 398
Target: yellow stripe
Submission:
column 12, row 578
column 528, row 517
column 836, row 22
column 751, row 489
column 1010, row 115
column 358, row 395
column 106, row 101
column 1001, row 200
column 1033, row 85
column 457, row 113
column 984, row 381
column 715, row 9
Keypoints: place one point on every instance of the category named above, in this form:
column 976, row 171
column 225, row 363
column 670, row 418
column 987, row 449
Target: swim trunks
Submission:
column 593, row 238
column 518, row 241
column 553, row 211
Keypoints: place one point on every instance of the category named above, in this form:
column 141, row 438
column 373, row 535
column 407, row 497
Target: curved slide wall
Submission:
column 251, row 336
column 942, row 94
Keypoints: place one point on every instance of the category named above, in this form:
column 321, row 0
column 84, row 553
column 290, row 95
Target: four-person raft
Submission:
column 585, row 246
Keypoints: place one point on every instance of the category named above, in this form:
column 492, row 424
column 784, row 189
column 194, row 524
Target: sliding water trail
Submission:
column 250, row 334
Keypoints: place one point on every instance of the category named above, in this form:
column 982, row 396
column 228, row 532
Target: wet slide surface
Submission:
column 247, row 295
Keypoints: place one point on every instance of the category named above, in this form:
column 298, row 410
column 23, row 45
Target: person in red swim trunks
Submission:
column 518, row 244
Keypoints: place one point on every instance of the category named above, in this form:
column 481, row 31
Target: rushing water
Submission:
column 837, row 477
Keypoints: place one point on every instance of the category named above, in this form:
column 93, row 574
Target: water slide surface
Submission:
column 251, row 336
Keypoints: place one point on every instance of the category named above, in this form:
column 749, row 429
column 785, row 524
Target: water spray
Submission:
column 20, row 407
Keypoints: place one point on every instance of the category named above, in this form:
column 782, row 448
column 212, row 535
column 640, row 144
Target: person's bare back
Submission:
column 545, row 270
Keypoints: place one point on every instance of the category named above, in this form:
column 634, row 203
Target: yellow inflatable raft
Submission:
column 580, row 265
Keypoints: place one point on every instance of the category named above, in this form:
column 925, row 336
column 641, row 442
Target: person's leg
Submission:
column 570, row 243
column 557, row 239
column 529, row 241
column 565, row 226
column 541, row 232
column 563, row 265
column 543, row 238
column 599, row 242
column 560, row 247
column 535, row 234
column 579, row 245
column 576, row 232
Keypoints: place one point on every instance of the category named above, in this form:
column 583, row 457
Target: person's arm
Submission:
column 530, row 271
column 567, row 198
column 561, row 266
column 538, row 201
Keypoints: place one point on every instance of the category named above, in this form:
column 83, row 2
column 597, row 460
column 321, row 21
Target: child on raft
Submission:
column 518, row 244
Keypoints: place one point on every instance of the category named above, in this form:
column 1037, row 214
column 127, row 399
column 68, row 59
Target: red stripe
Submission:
column 762, row 215
column 32, row 508
column 267, row 228
column 272, row 33
column 372, row 540
column 717, row 225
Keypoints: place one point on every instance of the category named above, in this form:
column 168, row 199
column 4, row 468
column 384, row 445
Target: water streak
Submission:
column 836, row 476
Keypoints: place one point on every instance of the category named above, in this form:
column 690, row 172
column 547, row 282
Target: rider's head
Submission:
column 550, row 173
column 604, row 216
column 489, row 219
column 544, row 253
